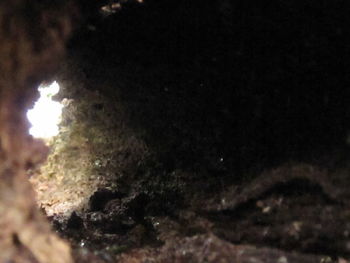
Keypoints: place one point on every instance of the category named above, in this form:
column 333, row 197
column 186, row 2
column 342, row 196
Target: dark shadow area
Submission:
column 224, row 85
column 219, row 92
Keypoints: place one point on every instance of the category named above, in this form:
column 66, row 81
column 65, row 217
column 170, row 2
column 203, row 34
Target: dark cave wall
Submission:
column 245, row 81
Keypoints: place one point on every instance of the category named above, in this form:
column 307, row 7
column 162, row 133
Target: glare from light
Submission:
column 46, row 114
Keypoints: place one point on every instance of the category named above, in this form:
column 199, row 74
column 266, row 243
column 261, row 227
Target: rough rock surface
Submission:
column 32, row 41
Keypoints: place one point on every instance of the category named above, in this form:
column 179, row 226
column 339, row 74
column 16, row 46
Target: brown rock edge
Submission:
column 32, row 41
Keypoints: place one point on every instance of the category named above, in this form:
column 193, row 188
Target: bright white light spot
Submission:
column 46, row 114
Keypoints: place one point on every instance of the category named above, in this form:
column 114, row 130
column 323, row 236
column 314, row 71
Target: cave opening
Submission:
column 45, row 116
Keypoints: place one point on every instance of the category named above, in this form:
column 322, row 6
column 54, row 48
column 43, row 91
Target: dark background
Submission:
column 227, row 85
column 221, row 92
